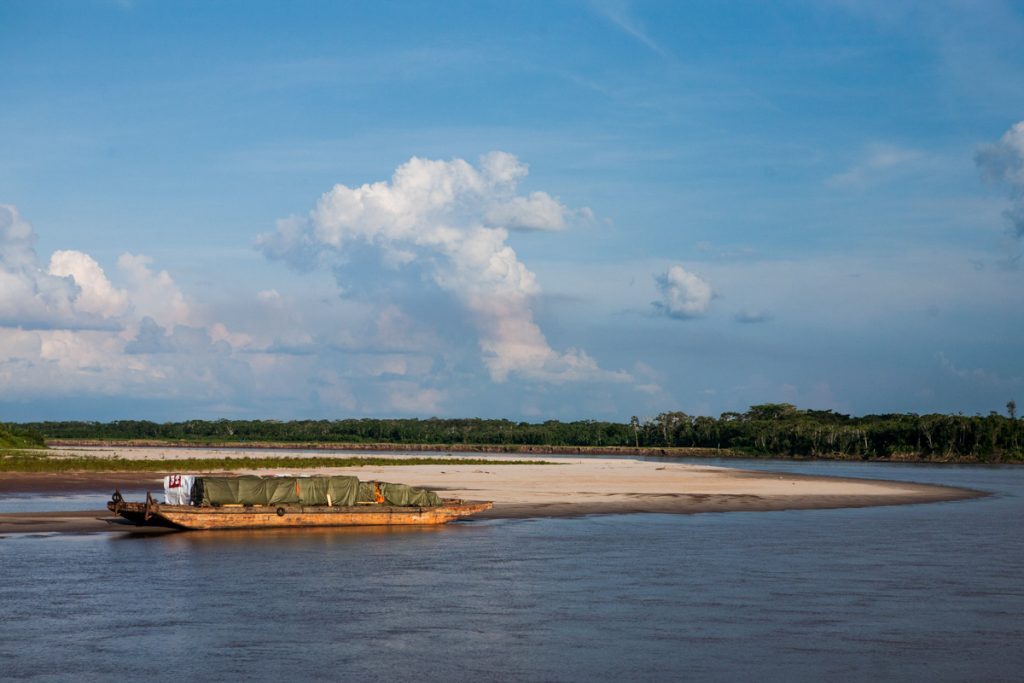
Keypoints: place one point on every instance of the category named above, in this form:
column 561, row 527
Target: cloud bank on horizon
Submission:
column 68, row 327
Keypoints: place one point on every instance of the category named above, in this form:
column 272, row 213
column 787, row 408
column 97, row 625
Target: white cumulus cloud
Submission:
column 539, row 211
column 154, row 294
column 1003, row 163
column 452, row 219
column 29, row 296
column 683, row 294
column 65, row 328
column 96, row 294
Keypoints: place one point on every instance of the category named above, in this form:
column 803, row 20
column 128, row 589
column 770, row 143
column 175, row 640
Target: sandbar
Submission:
column 570, row 487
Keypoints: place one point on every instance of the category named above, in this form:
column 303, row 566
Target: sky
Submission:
column 533, row 210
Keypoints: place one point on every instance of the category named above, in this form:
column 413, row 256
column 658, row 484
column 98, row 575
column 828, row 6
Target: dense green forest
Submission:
column 775, row 429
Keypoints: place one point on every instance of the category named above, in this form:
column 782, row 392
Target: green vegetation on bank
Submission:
column 775, row 429
column 33, row 462
column 18, row 437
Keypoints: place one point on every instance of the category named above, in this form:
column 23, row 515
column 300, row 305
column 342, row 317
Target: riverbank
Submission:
column 527, row 449
column 524, row 449
column 575, row 487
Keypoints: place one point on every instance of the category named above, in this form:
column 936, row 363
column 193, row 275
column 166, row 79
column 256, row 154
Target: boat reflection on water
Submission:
column 282, row 537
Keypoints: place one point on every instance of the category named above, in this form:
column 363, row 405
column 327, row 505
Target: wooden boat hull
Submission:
column 151, row 513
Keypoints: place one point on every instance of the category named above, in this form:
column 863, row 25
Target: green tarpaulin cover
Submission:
column 400, row 494
column 253, row 490
column 340, row 490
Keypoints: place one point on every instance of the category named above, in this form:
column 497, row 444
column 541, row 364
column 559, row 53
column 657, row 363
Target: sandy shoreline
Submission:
column 573, row 487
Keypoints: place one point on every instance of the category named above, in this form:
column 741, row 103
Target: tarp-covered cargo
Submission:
column 253, row 490
column 321, row 490
column 396, row 494
column 400, row 494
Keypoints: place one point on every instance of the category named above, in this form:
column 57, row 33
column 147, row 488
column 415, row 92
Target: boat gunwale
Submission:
column 198, row 518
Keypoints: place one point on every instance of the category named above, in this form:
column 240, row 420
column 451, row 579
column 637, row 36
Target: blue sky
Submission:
column 523, row 210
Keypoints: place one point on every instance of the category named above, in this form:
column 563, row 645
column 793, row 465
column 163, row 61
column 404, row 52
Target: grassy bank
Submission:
column 20, row 461
column 15, row 439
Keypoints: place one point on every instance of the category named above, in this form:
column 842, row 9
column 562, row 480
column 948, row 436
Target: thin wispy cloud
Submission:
column 753, row 317
column 619, row 14
column 976, row 375
column 878, row 163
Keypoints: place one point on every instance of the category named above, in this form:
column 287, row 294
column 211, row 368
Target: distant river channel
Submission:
column 930, row 592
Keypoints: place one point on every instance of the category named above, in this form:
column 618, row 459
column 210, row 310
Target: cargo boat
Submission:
column 273, row 503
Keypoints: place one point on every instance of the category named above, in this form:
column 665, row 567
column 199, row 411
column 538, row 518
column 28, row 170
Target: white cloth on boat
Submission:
column 178, row 489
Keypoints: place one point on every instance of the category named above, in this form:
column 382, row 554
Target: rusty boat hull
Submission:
column 153, row 514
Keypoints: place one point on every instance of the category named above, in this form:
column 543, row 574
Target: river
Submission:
column 906, row 593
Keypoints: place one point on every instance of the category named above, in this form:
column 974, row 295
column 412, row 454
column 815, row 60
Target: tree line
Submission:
column 771, row 429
